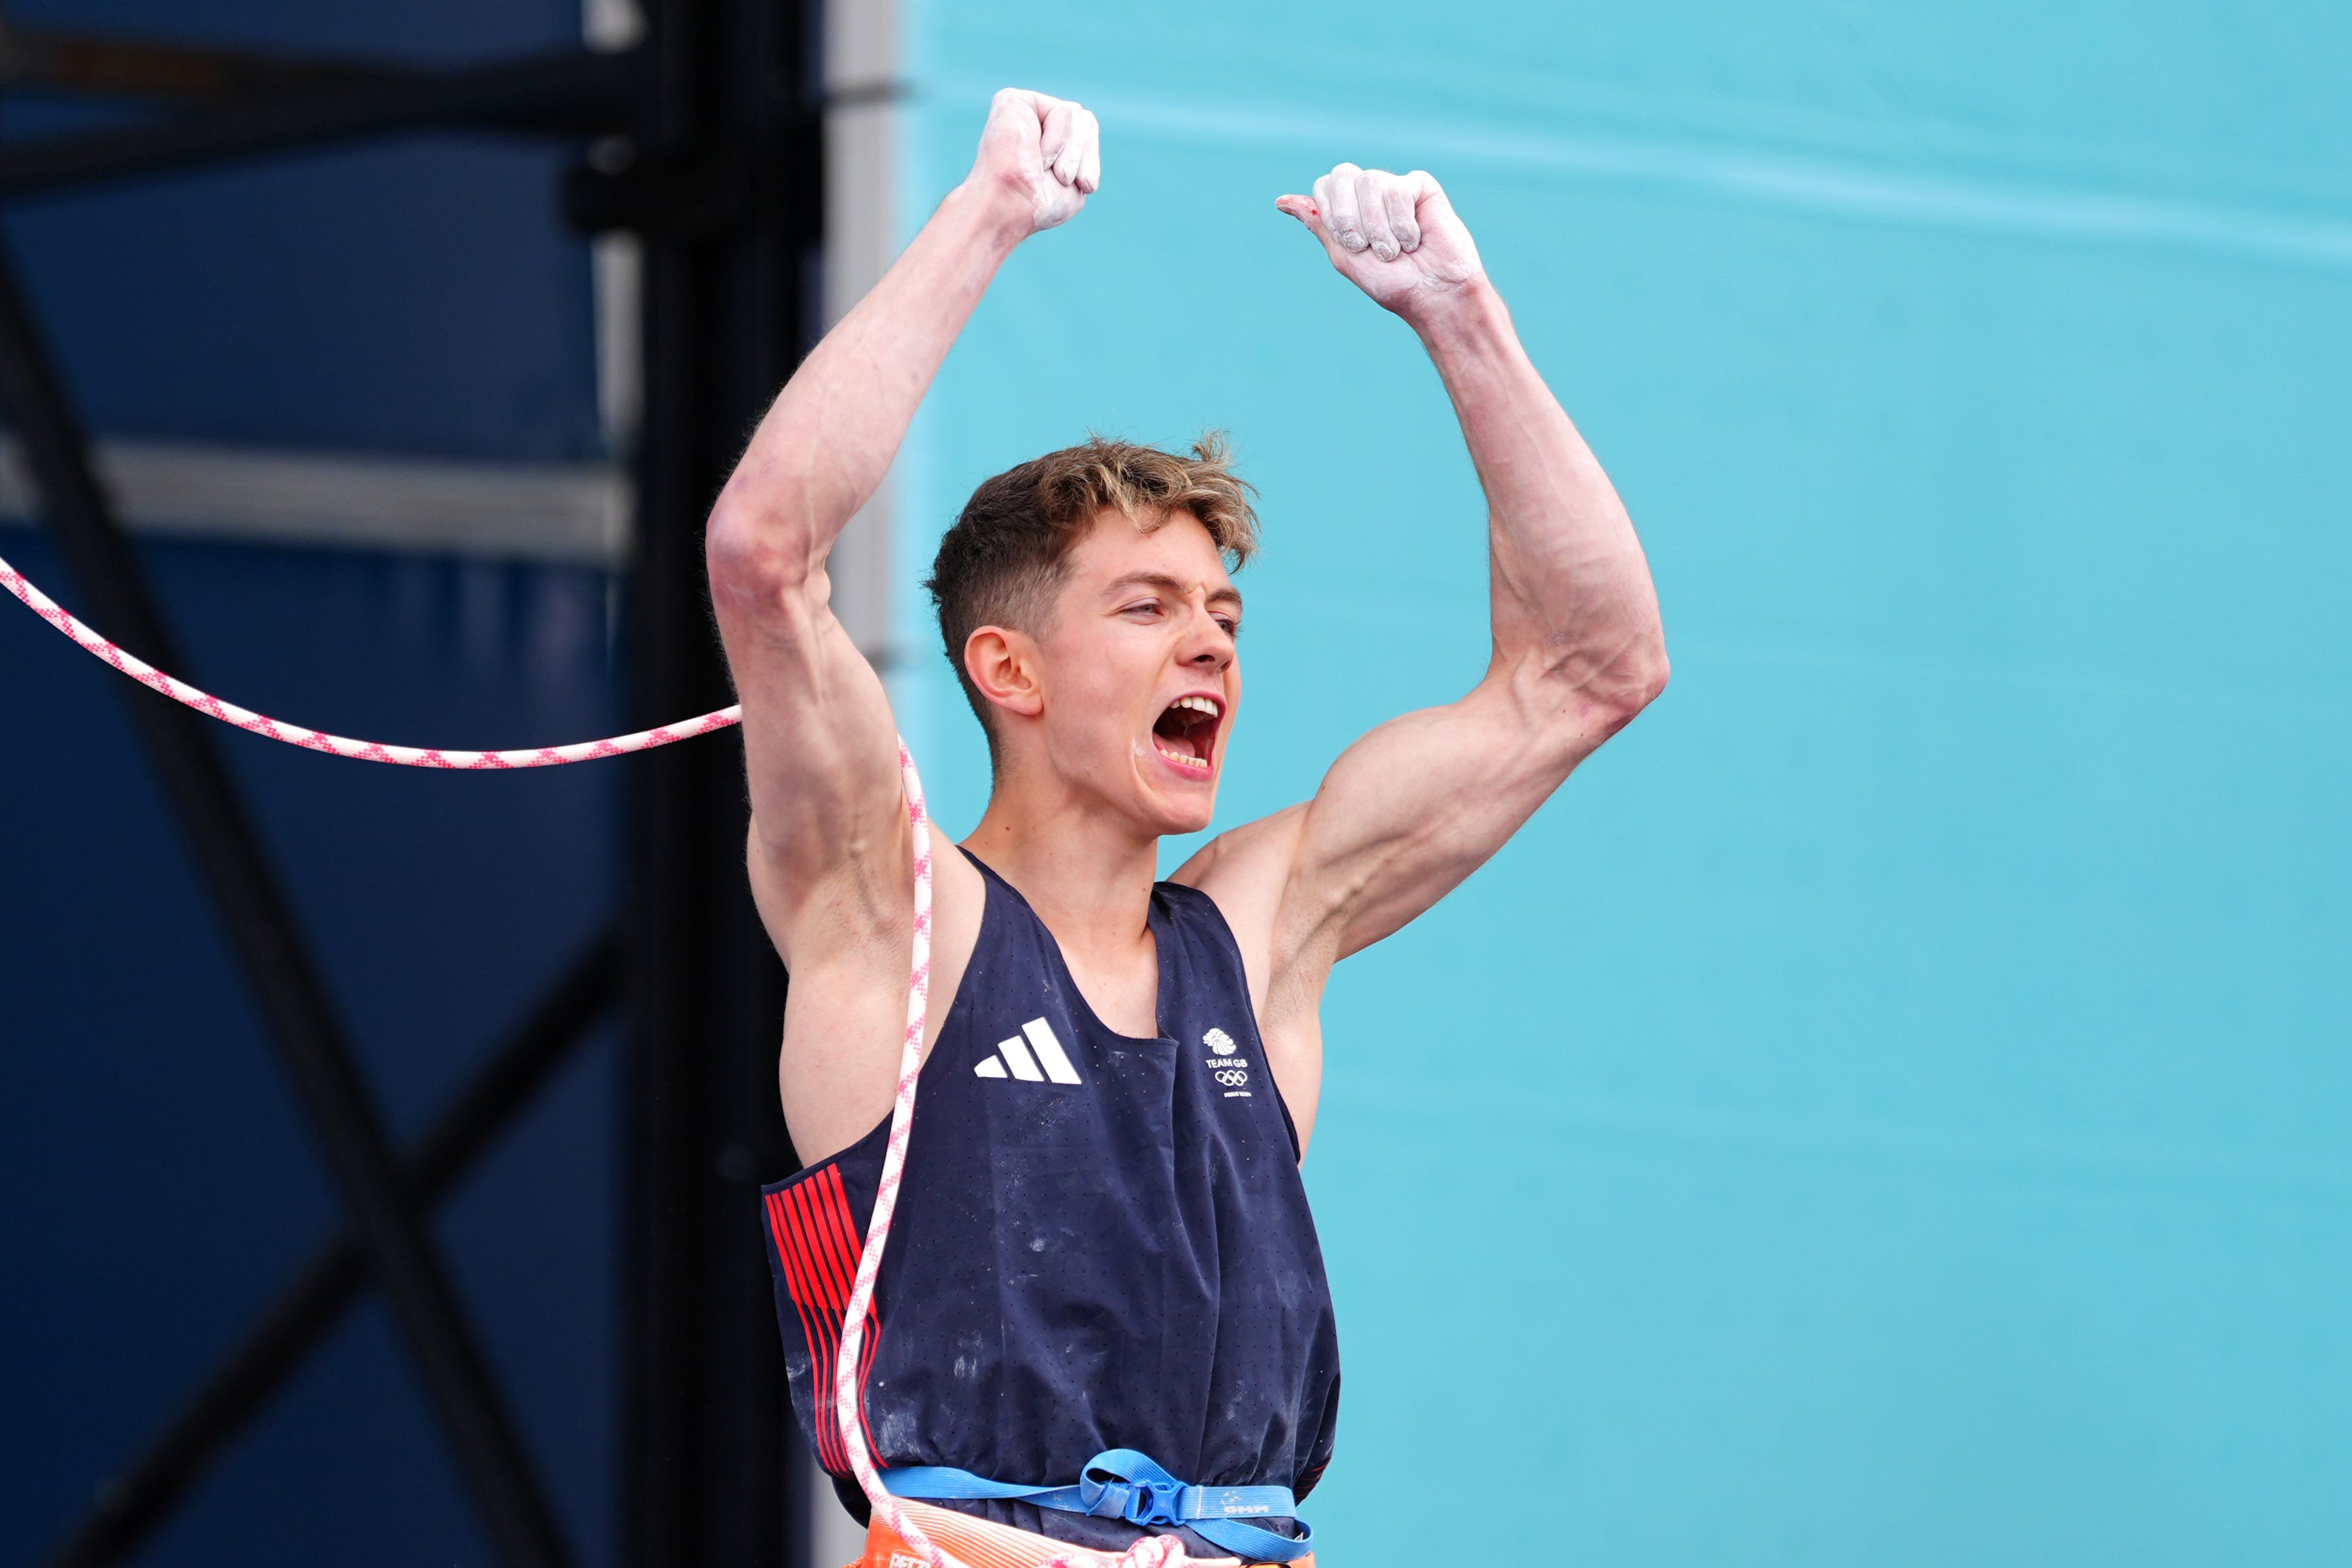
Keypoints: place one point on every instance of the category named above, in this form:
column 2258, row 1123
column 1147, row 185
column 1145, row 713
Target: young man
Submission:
column 1103, row 1242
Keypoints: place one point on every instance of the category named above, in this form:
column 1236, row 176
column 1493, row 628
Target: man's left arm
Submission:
column 1416, row 805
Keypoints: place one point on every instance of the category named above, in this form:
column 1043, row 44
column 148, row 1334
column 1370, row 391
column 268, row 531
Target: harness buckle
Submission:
column 1154, row 1503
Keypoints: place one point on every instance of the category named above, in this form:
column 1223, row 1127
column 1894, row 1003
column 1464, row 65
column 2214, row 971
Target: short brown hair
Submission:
column 1009, row 553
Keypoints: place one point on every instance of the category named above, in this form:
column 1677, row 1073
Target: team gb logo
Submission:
column 1232, row 1071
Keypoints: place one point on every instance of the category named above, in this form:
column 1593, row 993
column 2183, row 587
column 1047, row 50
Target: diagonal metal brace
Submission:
column 261, row 929
column 129, row 1507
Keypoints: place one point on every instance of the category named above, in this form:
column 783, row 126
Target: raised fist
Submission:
column 1043, row 153
column 1393, row 236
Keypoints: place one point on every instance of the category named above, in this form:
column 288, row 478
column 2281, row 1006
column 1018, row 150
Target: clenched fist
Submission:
column 1393, row 236
column 1044, row 153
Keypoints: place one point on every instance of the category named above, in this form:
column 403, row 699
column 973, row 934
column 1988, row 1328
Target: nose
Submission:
column 1207, row 646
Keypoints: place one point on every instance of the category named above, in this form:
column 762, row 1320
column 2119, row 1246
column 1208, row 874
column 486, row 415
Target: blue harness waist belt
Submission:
column 1119, row 1483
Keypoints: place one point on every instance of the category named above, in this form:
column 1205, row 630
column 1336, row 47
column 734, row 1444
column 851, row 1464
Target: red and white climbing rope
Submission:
column 1152, row 1551
column 179, row 691
column 886, row 1190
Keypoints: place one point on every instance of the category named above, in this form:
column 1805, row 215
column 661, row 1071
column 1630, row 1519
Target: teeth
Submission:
column 1186, row 760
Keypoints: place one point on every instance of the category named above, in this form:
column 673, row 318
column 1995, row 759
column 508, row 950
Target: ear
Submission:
column 1002, row 664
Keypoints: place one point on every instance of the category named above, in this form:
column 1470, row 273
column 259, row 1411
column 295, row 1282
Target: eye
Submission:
column 1142, row 606
column 1232, row 626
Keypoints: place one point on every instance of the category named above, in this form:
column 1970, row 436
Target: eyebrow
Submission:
column 1228, row 595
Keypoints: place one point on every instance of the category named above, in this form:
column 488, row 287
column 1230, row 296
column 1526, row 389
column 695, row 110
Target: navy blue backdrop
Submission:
column 415, row 297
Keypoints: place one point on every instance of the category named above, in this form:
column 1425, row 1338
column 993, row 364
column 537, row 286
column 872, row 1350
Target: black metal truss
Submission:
column 572, row 93
column 126, row 1509
column 313, row 1045
column 169, row 73
column 712, row 151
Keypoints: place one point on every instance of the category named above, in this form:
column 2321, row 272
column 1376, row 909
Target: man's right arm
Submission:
column 830, row 857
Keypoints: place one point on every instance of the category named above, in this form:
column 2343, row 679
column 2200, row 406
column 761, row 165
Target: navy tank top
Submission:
column 1102, row 1242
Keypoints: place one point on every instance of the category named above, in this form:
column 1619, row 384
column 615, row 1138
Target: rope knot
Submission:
column 1152, row 1551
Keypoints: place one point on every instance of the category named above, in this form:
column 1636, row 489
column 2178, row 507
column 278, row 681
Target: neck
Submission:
column 1087, row 876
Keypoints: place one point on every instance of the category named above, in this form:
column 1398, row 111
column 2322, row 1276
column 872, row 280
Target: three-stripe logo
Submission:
column 1034, row 1056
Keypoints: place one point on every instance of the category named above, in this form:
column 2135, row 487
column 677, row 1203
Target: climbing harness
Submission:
column 1121, row 1483
column 1118, row 1484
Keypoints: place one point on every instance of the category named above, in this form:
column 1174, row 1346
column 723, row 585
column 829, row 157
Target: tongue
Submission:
column 1178, row 730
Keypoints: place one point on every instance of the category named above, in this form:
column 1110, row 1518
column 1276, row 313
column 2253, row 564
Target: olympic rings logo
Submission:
column 1232, row 1077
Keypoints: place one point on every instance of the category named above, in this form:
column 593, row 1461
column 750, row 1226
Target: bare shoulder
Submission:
column 1244, row 870
column 846, row 1010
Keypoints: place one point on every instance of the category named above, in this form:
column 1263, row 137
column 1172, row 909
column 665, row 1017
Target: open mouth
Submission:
column 1187, row 732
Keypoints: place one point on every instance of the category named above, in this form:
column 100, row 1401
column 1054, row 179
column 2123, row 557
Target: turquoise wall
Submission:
column 1890, row 1108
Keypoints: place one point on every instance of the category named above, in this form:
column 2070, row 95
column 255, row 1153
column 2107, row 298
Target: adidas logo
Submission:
column 1014, row 1057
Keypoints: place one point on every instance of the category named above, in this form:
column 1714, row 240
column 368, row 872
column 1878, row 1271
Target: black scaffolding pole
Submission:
column 728, row 309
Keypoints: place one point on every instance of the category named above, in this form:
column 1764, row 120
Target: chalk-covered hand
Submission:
column 1044, row 154
column 1393, row 236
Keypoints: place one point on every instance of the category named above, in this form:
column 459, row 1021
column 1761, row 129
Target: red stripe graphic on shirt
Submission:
column 797, row 1285
column 833, row 1278
column 819, row 1323
column 817, row 1240
column 825, row 1306
column 852, row 1249
column 829, row 1200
